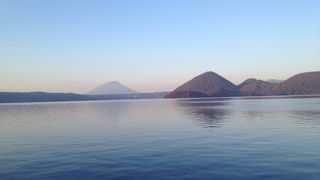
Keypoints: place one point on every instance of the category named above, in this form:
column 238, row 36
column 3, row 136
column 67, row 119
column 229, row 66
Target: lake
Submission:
column 211, row 138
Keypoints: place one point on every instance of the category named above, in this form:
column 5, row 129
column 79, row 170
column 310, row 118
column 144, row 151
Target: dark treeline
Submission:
column 11, row 97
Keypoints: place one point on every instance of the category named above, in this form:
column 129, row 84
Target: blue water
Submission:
column 217, row 138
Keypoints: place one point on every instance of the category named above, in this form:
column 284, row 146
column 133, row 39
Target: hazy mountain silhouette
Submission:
column 112, row 87
column 205, row 85
column 274, row 81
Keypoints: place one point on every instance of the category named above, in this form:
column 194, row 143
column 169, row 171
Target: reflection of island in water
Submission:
column 210, row 117
column 207, row 114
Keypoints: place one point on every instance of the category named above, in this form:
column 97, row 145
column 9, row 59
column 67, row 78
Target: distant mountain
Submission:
column 208, row 84
column 205, row 85
column 246, row 82
column 300, row 84
column 254, row 87
column 211, row 84
column 274, row 81
column 112, row 87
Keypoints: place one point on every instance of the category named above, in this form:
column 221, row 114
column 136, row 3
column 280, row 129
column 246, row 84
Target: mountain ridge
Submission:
column 307, row 83
column 209, row 84
column 204, row 85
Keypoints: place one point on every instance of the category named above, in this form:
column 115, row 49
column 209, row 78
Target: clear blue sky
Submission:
column 72, row 46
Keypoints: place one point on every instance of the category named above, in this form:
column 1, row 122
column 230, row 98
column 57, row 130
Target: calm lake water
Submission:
column 216, row 138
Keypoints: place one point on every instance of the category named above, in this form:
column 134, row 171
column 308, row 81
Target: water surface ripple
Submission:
column 213, row 138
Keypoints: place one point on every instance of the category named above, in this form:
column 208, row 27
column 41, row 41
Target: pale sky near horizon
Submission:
column 75, row 45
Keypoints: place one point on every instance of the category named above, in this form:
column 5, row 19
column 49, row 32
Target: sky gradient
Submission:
column 73, row 46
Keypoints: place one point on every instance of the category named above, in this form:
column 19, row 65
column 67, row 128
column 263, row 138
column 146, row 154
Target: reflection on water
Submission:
column 210, row 117
column 207, row 114
column 311, row 117
column 251, row 138
column 214, row 112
